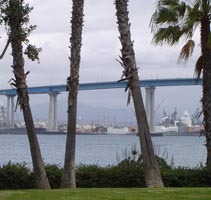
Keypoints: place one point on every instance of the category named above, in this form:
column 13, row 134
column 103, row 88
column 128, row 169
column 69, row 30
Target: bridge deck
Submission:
column 107, row 85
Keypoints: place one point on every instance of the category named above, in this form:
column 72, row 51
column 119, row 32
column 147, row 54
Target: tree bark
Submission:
column 38, row 165
column 68, row 177
column 23, row 101
column 151, row 168
column 206, row 105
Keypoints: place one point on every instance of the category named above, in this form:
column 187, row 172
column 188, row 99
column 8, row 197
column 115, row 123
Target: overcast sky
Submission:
column 100, row 48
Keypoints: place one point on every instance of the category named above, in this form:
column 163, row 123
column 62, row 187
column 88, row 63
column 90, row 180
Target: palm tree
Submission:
column 68, row 177
column 174, row 20
column 15, row 15
column 130, row 73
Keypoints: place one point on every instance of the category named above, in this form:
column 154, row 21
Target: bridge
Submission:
column 54, row 90
column 107, row 85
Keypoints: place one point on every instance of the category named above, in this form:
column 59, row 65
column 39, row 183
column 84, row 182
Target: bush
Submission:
column 123, row 175
column 91, row 176
column 128, row 173
column 186, row 177
column 16, row 176
column 54, row 174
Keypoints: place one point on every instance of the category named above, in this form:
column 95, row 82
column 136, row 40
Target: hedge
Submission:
column 128, row 173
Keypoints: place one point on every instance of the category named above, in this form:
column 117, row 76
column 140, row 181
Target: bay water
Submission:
column 103, row 149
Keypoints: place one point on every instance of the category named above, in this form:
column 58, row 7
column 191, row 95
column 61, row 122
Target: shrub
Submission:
column 128, row 173
column 54, row 174
column 91, row 176
column 16, row 176
column 186, row 177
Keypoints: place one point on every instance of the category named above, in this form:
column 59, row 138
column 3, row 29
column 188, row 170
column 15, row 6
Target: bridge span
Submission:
column 107, row 85
column 54, row 90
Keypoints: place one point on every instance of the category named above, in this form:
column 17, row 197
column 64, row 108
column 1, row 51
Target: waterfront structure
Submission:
column 169, row 125
column 55, row 90
column 117, row 130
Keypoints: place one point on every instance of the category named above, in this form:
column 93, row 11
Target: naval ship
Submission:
column 186, row 125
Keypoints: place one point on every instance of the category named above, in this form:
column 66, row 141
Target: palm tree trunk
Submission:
column 151, row 168
column 23, row 101
column 38, row 165
column 68, row 177
column 206, row 105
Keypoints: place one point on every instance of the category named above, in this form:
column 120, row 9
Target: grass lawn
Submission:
column 109, row 194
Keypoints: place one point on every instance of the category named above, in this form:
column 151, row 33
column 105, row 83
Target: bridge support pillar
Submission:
column 150, row 107
column 10, row 111
column 52, row 115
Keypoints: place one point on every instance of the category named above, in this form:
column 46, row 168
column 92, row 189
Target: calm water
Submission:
column 103, row 149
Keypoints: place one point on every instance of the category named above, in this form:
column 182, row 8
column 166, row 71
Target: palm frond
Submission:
column 167, row 12
column 187, row 50
column 198, row 68
column 174, row 19
column 169, row 35
column 205, row 5
column 194, row 11
column 191, row 20
column 181, row 9
column 165, row 15
column 167, row 2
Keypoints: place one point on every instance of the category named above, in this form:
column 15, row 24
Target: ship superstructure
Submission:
column 186, row 124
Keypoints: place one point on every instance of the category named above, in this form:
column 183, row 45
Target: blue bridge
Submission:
column 107, row 85
column 54, row 90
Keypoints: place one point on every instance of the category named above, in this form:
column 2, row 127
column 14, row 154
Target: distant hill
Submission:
column 86, row 113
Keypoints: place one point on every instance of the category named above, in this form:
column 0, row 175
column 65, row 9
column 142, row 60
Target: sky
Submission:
column 100, row 48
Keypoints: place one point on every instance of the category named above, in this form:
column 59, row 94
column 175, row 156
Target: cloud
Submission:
column 100, row 47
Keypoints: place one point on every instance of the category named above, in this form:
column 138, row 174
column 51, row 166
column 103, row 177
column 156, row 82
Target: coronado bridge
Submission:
column 54, row 90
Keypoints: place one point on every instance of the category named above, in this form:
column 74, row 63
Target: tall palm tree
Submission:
column 15, row 15
column 130, row 73
column 174, row 20
column 68, row 177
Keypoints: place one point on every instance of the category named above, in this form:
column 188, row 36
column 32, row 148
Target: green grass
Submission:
column 109, row 194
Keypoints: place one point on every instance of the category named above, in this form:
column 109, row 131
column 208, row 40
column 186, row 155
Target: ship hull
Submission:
column 20, row 131
column 172, row 133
